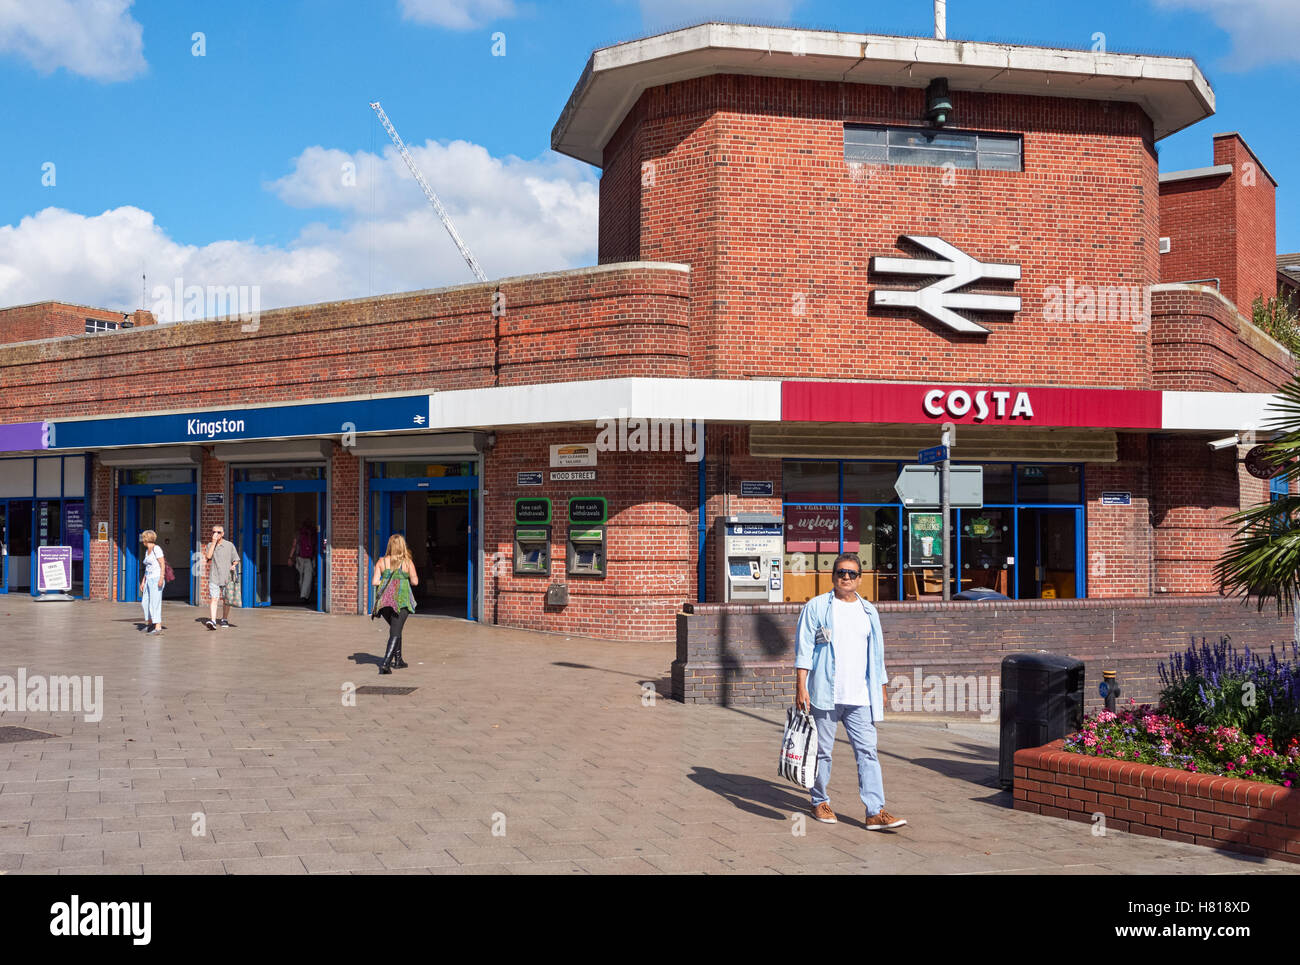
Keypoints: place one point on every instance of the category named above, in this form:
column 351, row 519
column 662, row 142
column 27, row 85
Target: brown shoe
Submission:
column 883, row 821
column 824, row 814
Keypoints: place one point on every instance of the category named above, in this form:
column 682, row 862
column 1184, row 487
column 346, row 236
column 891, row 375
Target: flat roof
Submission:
column 1172, row 90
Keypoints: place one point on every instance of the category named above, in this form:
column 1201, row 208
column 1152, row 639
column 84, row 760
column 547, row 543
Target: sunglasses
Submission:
column 847, row 574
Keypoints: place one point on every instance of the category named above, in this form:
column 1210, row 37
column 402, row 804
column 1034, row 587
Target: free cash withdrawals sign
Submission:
column 265, row 422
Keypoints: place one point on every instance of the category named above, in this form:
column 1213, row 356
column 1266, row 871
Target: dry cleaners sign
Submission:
column 938, row 299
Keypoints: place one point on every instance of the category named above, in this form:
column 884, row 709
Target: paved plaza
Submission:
column 516, row 753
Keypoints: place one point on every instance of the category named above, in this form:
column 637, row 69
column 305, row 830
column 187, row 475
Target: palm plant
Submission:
column 1263, row 560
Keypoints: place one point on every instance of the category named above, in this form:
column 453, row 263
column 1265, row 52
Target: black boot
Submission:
column 388, row 657
column 398, row 662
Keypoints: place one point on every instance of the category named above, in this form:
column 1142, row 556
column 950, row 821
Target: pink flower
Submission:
column 1241, row 759
column 1231, row 766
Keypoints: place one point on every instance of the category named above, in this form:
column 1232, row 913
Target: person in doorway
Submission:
column 393, row 578
column 223, row 564
column 840, row 676
column 303, row 556
column 151, row 584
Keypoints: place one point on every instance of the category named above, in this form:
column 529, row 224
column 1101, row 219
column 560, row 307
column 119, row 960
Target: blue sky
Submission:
column 224, row 168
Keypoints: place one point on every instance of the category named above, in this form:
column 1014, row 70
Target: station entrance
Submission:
column 279, row 519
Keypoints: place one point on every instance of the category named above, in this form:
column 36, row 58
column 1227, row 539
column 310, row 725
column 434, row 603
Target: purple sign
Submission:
column 74, row 524
column 22, row 436
column 53, row 569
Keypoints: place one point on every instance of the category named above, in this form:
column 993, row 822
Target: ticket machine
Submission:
column 750, row 555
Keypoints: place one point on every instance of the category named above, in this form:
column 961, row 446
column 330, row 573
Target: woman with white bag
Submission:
column 840, row 676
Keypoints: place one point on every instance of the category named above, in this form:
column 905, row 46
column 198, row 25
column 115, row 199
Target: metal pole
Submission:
column 940, row 19
column 945, row 439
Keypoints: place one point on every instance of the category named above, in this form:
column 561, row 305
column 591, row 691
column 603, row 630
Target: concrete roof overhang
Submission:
column 1171, row 90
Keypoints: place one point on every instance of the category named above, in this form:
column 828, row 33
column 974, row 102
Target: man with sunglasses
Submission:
column 840, row 676
column 223, row 558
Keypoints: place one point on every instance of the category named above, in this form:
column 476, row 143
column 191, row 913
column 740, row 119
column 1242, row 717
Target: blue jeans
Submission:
column 151, row 602
column 862, row 735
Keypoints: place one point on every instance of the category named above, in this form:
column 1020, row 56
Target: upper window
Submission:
column 96, row 325
column 931, row 147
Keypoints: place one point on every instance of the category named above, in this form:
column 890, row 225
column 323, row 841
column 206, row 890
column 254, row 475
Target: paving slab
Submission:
column 519, row 752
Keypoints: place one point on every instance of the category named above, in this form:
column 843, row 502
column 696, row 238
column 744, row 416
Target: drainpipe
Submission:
column 701, row 527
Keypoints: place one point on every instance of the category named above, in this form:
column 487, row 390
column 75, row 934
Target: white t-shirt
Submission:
column 151, row 563
column 851, row 636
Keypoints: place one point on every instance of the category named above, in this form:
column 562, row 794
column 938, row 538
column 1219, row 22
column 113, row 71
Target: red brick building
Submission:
column 804, row 271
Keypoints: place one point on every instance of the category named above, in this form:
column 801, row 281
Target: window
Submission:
column 931, row 147
column 95, row 326
column 1026, row 542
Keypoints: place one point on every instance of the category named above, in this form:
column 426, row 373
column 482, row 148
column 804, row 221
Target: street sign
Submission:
column 1117, row 499
column 918, row 486
column 928, row 457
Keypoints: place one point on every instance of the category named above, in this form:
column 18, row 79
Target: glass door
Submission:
column 4, row 546
column 17, row 542
column 1049, row 554
column 261, row 549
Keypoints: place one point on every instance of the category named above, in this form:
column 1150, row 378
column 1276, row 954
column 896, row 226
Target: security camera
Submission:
column 1227, row 443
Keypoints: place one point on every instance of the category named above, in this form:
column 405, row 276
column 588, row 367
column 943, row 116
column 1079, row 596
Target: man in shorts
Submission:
column 223, row 560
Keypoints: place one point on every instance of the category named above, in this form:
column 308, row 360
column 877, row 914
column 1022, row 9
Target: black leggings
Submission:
column 395, row 620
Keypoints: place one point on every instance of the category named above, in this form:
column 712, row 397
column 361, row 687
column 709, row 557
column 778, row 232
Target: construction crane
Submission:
column 428, row 191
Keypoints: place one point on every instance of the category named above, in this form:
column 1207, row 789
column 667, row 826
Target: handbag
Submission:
column 230, row 591
column 798, row 760
column 379, row 595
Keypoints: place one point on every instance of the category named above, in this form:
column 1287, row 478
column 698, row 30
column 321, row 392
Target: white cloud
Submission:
column 456, row 14
column 517, row 216
column 94, row 38
column 1262, row 31
column 666, row 14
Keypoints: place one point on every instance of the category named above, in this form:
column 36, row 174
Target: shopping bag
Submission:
column 798, row 762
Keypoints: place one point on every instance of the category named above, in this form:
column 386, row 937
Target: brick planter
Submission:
column 1160, row 802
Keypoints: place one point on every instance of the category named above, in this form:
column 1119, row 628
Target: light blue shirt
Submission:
column 815, row 652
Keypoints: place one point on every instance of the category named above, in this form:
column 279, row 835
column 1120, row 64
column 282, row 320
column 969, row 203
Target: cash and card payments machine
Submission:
column 532, row 537
column 586, row 553
column 750, row 555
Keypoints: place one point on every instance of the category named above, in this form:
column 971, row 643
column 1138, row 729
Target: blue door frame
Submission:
column 250, row 538
column 128, row 559
column 381, row 527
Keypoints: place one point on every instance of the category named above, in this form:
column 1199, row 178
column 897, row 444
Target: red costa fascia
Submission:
column 1009, row 405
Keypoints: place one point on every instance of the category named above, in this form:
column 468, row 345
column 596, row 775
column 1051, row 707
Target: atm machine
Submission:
column 749, row 556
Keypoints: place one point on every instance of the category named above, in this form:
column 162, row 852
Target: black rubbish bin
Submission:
column 1042, row 699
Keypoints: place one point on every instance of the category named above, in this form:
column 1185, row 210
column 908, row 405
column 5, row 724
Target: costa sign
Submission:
column 983, row 403
column 910, row 402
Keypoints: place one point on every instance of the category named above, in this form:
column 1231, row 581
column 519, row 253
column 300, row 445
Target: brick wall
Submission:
column 345, row 538
column 651, row 537
column 1248, row 817
column 24, row 323
column 101, row 574
column 596, row 323
column 734, row 654
column 1193, row 489
column 1223, row 226
column 1254, row 223
column 751, row 189
column 1119, row 538
column 1201, row 343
